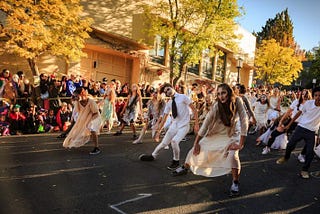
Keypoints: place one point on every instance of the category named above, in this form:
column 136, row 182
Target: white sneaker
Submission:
column 234, row 190
column 266, row 150
column 301, row 158
column 137, row 141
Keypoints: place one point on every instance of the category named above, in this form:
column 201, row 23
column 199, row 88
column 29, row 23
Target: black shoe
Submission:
column 179, row 171
column 174, row 164
column 117, row 133
column 95, row 151
column 134, row 137
column 145, row 157
column 62, row 136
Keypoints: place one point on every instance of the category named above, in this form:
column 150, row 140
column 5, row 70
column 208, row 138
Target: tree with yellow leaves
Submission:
column 34, row 27
column 277, row 64
column 188, row 28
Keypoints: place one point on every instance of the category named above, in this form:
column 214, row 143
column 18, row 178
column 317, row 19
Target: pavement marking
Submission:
column 142, row 195
column 54, row 172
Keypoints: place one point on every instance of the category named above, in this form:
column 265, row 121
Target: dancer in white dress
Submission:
column 87, row 125
column 153, row 116
column 260, row 109
column 130, row 111
column 108, row 113
column 216, row 147
column 275, row 101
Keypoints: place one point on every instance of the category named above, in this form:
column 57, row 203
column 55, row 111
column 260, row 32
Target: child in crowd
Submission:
column 63, row 117
column 17, row 120
column 31, row 119
column 51, row 124
column 41, row 120
column 4, row 125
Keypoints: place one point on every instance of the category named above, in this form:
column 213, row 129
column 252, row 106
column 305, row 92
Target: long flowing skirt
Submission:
column 214, row 159
column 107, row 112
column 81, row 132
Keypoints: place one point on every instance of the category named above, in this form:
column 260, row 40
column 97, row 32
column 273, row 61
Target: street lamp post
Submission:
column 239, row 66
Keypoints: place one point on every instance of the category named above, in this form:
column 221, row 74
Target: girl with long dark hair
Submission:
column 217, row 144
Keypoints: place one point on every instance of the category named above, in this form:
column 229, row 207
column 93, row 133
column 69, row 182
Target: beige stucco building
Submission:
column 115, row 51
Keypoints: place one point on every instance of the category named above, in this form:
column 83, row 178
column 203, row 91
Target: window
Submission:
column 157, row 54
column 194, row 68
column 221, row 67
column 207, row 64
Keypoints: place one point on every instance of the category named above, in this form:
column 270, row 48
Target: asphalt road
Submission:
column 37, row 175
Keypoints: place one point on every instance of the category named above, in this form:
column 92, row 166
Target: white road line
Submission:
column 142, row 195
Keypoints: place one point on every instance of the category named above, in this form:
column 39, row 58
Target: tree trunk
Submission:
column 182, row 69
column 33, row 67
column 171, row 77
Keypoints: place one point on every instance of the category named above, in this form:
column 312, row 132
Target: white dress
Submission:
column 214, row 159
column 81, row 131
column 272, row 113
column 260, row 112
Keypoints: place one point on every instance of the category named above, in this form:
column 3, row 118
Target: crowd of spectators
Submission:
column 46, row 107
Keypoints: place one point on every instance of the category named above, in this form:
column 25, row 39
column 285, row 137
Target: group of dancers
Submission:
column 222, row 135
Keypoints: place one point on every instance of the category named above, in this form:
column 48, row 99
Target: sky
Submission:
column 304, row 14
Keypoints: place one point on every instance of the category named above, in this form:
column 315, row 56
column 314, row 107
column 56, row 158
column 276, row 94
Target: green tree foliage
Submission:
column 315, row 67
column 279, row 28
column 189, row 27
column 276, row 64
column 35, row 27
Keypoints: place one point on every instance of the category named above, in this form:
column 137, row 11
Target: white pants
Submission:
column 174, row 135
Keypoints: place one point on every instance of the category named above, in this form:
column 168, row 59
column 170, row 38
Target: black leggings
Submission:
column 273, row 136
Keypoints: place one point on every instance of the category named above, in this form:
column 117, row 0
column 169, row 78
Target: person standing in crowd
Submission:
column 306, row 129
column 179, row 106
column 182, row 88
column 124, row 90
column 130, row 111
column 87, row 125
column 70, row 86
column 217, row 145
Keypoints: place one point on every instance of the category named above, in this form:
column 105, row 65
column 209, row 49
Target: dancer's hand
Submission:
column 196, row 149
column 157, row 137
column 234, row 146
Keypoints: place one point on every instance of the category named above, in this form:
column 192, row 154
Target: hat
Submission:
column 17, row 106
